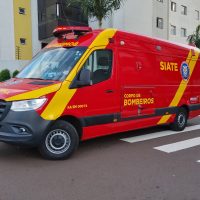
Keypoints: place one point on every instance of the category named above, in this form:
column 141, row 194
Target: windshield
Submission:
column 52, row 64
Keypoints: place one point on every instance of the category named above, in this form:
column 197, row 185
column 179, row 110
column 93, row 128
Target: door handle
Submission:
column 109, row 91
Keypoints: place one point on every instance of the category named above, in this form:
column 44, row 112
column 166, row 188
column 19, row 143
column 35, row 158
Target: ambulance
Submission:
column 90, row 83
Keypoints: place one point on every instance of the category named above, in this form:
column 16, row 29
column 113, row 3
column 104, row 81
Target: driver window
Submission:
column 100, row 65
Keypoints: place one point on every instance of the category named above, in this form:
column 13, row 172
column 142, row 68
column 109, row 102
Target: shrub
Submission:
column 4, row 75
column 15, row 73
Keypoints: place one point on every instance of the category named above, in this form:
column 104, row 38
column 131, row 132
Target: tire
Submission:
column 60, row 142
column 180, row 120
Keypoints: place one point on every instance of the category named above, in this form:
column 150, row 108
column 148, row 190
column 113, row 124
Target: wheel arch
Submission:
column 75, row 122
column 186, row 108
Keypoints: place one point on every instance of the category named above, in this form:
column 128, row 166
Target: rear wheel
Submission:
column 180, row 120
column 60, row 142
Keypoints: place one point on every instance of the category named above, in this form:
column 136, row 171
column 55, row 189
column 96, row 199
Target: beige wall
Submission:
column 134, row 16
column 7, row 38
column 160, row 10
column 140, row 16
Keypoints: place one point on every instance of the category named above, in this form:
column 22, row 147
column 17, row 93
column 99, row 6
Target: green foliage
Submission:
column 195, row 37
column 4, row 75
column 100, row 9
column 15, row 73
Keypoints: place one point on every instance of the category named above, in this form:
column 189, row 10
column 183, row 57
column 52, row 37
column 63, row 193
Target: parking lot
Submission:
column 118, row 167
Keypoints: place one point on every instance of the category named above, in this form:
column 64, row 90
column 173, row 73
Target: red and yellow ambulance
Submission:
column 89, row 83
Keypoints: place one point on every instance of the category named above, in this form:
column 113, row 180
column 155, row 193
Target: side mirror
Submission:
column 84, row 79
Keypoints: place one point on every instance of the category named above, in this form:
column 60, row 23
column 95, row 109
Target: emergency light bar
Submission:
column 77, row 30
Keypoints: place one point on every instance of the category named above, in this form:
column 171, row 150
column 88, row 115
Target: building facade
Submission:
column 19, row 33
column 27, row 26
column 173, row 20
column 52, row 13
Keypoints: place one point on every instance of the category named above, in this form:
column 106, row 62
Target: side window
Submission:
column 100, row 65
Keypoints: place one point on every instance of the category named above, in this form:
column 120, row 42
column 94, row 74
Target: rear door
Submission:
column 137, row 101
column 137, row 80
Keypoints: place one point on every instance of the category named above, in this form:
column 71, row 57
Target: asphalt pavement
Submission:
column 108, row 168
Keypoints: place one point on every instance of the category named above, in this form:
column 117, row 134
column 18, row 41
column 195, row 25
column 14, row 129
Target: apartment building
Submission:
column 26, row 26
column 18, row 37
column 167, row 19
column 184, row 17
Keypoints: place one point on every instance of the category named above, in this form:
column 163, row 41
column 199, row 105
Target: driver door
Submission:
column 100, row 98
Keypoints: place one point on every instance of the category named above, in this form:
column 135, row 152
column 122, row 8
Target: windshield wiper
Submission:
column 37, row 79
column 41, row 79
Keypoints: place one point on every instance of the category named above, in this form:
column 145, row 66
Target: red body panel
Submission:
column 17, row 86
column 146, row 83
column 137, row 72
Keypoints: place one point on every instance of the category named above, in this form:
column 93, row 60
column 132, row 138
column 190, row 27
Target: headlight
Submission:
column 26, row 105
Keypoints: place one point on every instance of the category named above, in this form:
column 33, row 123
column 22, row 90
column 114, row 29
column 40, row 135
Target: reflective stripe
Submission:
column 35, row 93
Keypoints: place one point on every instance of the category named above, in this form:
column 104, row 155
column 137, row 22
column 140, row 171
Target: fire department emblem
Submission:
column 185, row 71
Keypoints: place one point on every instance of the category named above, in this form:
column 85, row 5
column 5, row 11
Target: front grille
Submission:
column 4, row 108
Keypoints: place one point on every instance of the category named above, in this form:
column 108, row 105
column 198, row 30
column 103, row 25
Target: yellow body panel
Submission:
column 35, row 93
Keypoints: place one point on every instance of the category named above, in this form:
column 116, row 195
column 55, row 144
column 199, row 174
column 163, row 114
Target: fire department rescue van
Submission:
column 87, row 84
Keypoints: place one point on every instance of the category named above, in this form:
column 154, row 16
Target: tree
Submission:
column 15, row 73
column 4, row 75
column 100, row 9
column 194, row 39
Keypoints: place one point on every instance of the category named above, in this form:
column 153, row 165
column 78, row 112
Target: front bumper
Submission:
column 23, row 128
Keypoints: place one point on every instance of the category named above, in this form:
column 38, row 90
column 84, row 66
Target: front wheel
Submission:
column 180, row 120
column 60, row 142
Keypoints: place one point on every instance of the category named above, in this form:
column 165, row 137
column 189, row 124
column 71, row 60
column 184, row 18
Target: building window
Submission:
column 159, row 23
column 22, row 11
column 160, row 1
column 173, row 30
column 57, row 12
column 22, row 41
column 183, row 32
column 183, row 10
column 197, row 16
column 173, row 6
